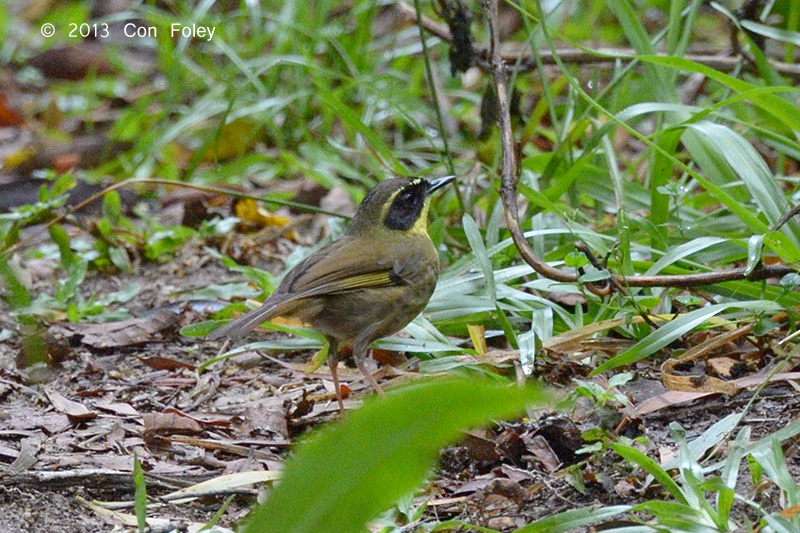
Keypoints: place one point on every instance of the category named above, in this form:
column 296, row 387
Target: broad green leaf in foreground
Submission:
column 352, row 470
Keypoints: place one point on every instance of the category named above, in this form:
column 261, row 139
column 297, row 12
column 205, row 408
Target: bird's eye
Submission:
column 407, row 198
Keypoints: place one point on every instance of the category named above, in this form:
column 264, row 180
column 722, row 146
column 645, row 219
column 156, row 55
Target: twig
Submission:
column 95, row 477
column 785, row 218
column 521, row 55
column 4, row 254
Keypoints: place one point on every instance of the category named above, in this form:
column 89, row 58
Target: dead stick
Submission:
column 520, row 55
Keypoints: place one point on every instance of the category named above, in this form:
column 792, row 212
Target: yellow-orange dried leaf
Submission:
column 252, row 214
column 477, row 333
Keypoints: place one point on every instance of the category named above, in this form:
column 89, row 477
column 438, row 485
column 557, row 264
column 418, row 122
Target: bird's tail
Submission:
column 245, row 323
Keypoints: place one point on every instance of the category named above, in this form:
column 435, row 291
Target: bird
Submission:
column 366, row 285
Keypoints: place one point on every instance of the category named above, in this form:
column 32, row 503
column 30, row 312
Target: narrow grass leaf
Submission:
column 774, row 463
column 457, row 365
column 786, row 113
column 789, row 431
column 397, row 344
column 660, row 176
column 781, row 245
column 14, row 293
column 613, row 171
column 651, row 467
column 476, row 243
column 539, row 199
column 676, row 517
column 573, row 518
column 682, row 251
column 748, row 165
column 674, row 330
column 346, row 115
column 730, row 469
column 220, row 484
column 209, row 526
column 769, row 75
column 725, row 499
column 475, row 240
column 711, row 437
column 780, row 524
column 675, row 25
column 645, row 108
column 140, row 494
column 352, row 470
column 771, row 32
column 709, row 160
column 631, row 24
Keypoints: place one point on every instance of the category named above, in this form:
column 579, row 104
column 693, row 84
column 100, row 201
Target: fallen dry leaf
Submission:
column 8, row 116
column 74, row 410
column 168, row 423
column 72, row 62
column 124, row 332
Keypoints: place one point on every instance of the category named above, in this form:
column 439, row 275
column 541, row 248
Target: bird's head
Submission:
column 399, row 204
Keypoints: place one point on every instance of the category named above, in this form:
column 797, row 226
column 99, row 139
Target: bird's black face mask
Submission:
column 405, row 209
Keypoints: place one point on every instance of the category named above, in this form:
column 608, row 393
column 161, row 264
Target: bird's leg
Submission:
column 333, row 362
column 224, row 347
column 359, row 357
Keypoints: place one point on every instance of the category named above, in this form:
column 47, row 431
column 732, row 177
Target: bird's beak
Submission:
column 439, row 183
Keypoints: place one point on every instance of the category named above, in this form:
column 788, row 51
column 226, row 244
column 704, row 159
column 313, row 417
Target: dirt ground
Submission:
column 71, row 423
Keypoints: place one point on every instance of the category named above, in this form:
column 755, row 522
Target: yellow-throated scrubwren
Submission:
column 366, row 285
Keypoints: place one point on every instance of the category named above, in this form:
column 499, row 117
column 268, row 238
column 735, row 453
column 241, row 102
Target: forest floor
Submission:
column 72, row 423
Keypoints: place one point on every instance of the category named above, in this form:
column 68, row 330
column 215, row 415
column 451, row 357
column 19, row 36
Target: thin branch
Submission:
column 71, row 210
column 521, row 55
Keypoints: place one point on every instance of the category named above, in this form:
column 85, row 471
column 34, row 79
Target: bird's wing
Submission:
column 335, row 269
column 339, row 268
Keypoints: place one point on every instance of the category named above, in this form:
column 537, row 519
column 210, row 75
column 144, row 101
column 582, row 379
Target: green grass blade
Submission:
column 772, row 33
column 682, row 251
column 713, row 164
column 479, row 249
column 675, row 329
column 353, row 121
column 780, row 244
column 677, row 517
column 746, row 164
column 14, row 293
column 140, row 495
column 651, row 467
column 631, row 25
column 661, row 175
column 572, row 518
column 786, row 113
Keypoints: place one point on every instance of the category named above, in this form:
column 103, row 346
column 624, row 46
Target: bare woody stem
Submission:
column 524, row 61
